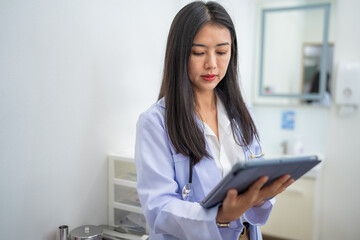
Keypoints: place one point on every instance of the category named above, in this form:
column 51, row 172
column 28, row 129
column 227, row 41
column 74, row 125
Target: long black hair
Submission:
column 180, row 118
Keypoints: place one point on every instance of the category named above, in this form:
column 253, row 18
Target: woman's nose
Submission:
column 210, row 62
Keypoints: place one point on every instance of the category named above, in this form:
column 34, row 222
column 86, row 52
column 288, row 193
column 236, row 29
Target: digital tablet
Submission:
column 243, row 174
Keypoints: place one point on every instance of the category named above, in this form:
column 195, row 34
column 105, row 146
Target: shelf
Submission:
column 129, row 208
column 124, row 182
column 126, row 195
column 124, row 208
column 130, row 220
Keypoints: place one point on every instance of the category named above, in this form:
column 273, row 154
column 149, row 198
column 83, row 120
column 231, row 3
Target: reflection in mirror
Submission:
column 287, row 57
column 311, row 72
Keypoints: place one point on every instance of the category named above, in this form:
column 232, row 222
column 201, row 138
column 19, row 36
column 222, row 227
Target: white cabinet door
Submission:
column 292, row 215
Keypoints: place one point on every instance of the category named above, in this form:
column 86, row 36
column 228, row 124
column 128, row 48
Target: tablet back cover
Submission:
column 243, row 175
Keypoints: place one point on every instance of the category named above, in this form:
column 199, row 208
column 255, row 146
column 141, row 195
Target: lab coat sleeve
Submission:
column 259, row 215
column 165, row 211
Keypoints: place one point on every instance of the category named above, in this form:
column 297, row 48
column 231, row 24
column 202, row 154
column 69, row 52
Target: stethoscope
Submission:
column 186, row 191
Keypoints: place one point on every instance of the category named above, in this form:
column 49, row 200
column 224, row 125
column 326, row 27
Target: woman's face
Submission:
column 209, row 58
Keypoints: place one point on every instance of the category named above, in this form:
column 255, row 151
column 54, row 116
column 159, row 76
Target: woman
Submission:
column 192, row 131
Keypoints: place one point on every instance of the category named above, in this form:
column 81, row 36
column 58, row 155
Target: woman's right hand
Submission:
column 235, row 205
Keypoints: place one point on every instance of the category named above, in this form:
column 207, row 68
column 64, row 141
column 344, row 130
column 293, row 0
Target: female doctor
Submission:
column 200, row 126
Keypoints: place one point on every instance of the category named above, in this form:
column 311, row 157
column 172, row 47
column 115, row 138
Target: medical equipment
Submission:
column 252, row 155
column 186, row 191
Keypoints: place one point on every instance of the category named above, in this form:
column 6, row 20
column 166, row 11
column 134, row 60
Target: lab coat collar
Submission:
column 161, row 102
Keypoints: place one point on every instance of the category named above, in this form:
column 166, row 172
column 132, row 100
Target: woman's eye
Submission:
column 198, row 53
column 221, row 53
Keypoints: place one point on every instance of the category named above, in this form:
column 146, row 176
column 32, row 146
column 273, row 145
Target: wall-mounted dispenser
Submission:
column 348, row 83
column 348, row 87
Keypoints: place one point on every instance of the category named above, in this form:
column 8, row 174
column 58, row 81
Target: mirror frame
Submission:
column 324, row 53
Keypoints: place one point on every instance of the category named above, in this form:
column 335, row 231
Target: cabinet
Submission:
column 124, row 207
column 294, row 213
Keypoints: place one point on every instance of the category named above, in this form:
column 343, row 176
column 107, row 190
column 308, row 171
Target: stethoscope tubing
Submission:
column 186, row 191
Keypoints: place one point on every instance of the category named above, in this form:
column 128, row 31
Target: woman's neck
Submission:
column 207, row 111
column 205, row 102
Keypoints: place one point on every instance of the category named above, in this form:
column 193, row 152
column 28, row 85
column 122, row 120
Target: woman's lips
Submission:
column 208, row 77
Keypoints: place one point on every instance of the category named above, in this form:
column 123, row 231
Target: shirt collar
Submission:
column 223, row 119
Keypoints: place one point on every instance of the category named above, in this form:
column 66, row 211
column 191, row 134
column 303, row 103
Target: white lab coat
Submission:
column 162, row 173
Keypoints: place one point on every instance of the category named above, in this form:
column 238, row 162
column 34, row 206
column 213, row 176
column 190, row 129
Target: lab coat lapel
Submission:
column 207, row 173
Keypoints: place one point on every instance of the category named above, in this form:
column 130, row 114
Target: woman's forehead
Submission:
column 212, row 35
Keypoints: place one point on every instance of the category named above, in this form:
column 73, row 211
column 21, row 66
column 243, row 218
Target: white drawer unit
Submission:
column 124, row 207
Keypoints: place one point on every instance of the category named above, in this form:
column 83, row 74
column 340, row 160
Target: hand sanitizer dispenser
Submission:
column 348, row 84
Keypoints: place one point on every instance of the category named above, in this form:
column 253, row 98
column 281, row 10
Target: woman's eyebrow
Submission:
column 203, row 45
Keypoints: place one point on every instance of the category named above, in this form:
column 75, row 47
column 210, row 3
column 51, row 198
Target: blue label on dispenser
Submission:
column 288, row 120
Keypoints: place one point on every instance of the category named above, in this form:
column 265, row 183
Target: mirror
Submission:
column 295, row 56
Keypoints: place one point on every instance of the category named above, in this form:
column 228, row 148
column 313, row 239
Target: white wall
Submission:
column 310, row 127
column 340, row 212
column 74, row 77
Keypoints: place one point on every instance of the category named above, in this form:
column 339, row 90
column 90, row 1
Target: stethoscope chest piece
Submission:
column 186, row 192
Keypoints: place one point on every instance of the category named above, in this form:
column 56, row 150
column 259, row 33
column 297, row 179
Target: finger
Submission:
column 288, row 182
column 231, row 194
column 280, row 181
column 285, row 185
column 278, row 185
column 256, row 186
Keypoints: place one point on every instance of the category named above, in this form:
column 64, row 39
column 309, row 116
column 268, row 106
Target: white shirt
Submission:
column 225, row 150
